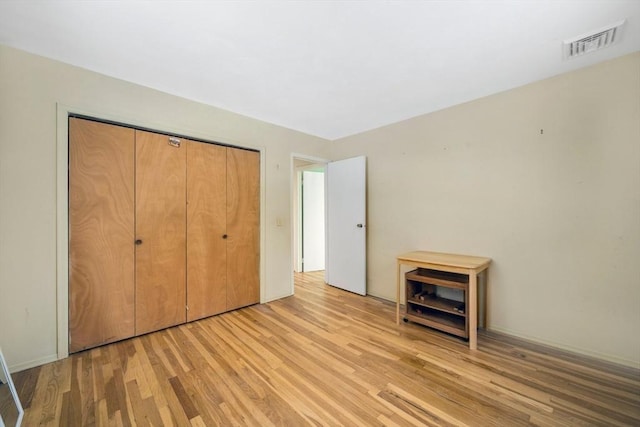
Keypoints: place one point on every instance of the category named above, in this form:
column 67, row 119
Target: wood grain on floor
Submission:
column 325, row 357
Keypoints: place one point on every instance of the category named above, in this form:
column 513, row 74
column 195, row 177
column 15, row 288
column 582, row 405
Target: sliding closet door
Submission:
column 101, row 233
column 160, row 232
column 206, row 230
column 243, row 228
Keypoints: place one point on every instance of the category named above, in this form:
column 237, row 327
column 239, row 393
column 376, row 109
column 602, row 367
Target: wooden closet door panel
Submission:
column 101, row 233
column 243, row 228
column 206, row 227
column 160, row 232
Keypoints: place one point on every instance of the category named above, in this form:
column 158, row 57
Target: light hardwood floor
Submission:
column 325, row 357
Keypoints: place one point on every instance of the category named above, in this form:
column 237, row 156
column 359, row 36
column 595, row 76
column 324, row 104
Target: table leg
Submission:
column 485, row 284
column 398, row 294
column 473, row 310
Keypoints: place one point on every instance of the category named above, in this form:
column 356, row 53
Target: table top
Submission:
column 451, row 260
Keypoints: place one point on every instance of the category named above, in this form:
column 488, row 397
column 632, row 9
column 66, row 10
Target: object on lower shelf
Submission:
column 423, row 295
column 459, row 308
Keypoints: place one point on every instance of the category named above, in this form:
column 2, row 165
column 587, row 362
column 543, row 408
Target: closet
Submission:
column 162, row 230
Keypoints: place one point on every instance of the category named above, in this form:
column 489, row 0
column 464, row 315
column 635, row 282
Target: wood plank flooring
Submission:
column 325, row 357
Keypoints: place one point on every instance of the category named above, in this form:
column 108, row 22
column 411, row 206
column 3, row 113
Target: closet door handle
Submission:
column 224, row 236
column 138, row 242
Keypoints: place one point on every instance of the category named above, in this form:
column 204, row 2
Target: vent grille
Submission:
column 594, row 41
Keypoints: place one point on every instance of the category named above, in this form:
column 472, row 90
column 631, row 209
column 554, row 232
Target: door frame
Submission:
column 62, row 201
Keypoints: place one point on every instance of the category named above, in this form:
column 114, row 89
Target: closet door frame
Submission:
column 62, row 201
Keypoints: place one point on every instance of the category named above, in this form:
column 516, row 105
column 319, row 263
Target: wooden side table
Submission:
column 471, row 266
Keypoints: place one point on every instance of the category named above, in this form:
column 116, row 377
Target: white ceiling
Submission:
column 327, row 68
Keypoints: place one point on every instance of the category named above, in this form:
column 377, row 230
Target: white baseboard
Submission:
column 33, row 363
column 277, row 298
column 560, row 346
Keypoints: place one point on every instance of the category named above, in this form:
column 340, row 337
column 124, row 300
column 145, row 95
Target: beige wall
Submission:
column 30, row 89
column 558, row 211
column 544, row 179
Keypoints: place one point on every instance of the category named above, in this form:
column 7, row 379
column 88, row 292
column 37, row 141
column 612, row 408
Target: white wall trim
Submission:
column 62, row 229
column 62, row 206
column 560, row 346
column 33, row 363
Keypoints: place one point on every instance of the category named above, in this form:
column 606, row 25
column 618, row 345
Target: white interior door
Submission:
column 313, row 220
column 346, row 263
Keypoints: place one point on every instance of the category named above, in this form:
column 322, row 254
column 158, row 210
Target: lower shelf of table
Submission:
column 445, row 322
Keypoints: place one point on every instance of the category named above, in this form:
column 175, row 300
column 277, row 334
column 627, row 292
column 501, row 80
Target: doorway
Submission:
column 309, row 215
column 338, row 201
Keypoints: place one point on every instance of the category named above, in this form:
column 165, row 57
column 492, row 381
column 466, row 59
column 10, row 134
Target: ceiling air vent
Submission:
column 591, row 42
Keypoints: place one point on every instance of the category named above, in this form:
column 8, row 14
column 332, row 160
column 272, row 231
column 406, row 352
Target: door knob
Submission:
column 138, row 242
column 359, row 226
column 224, row 236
